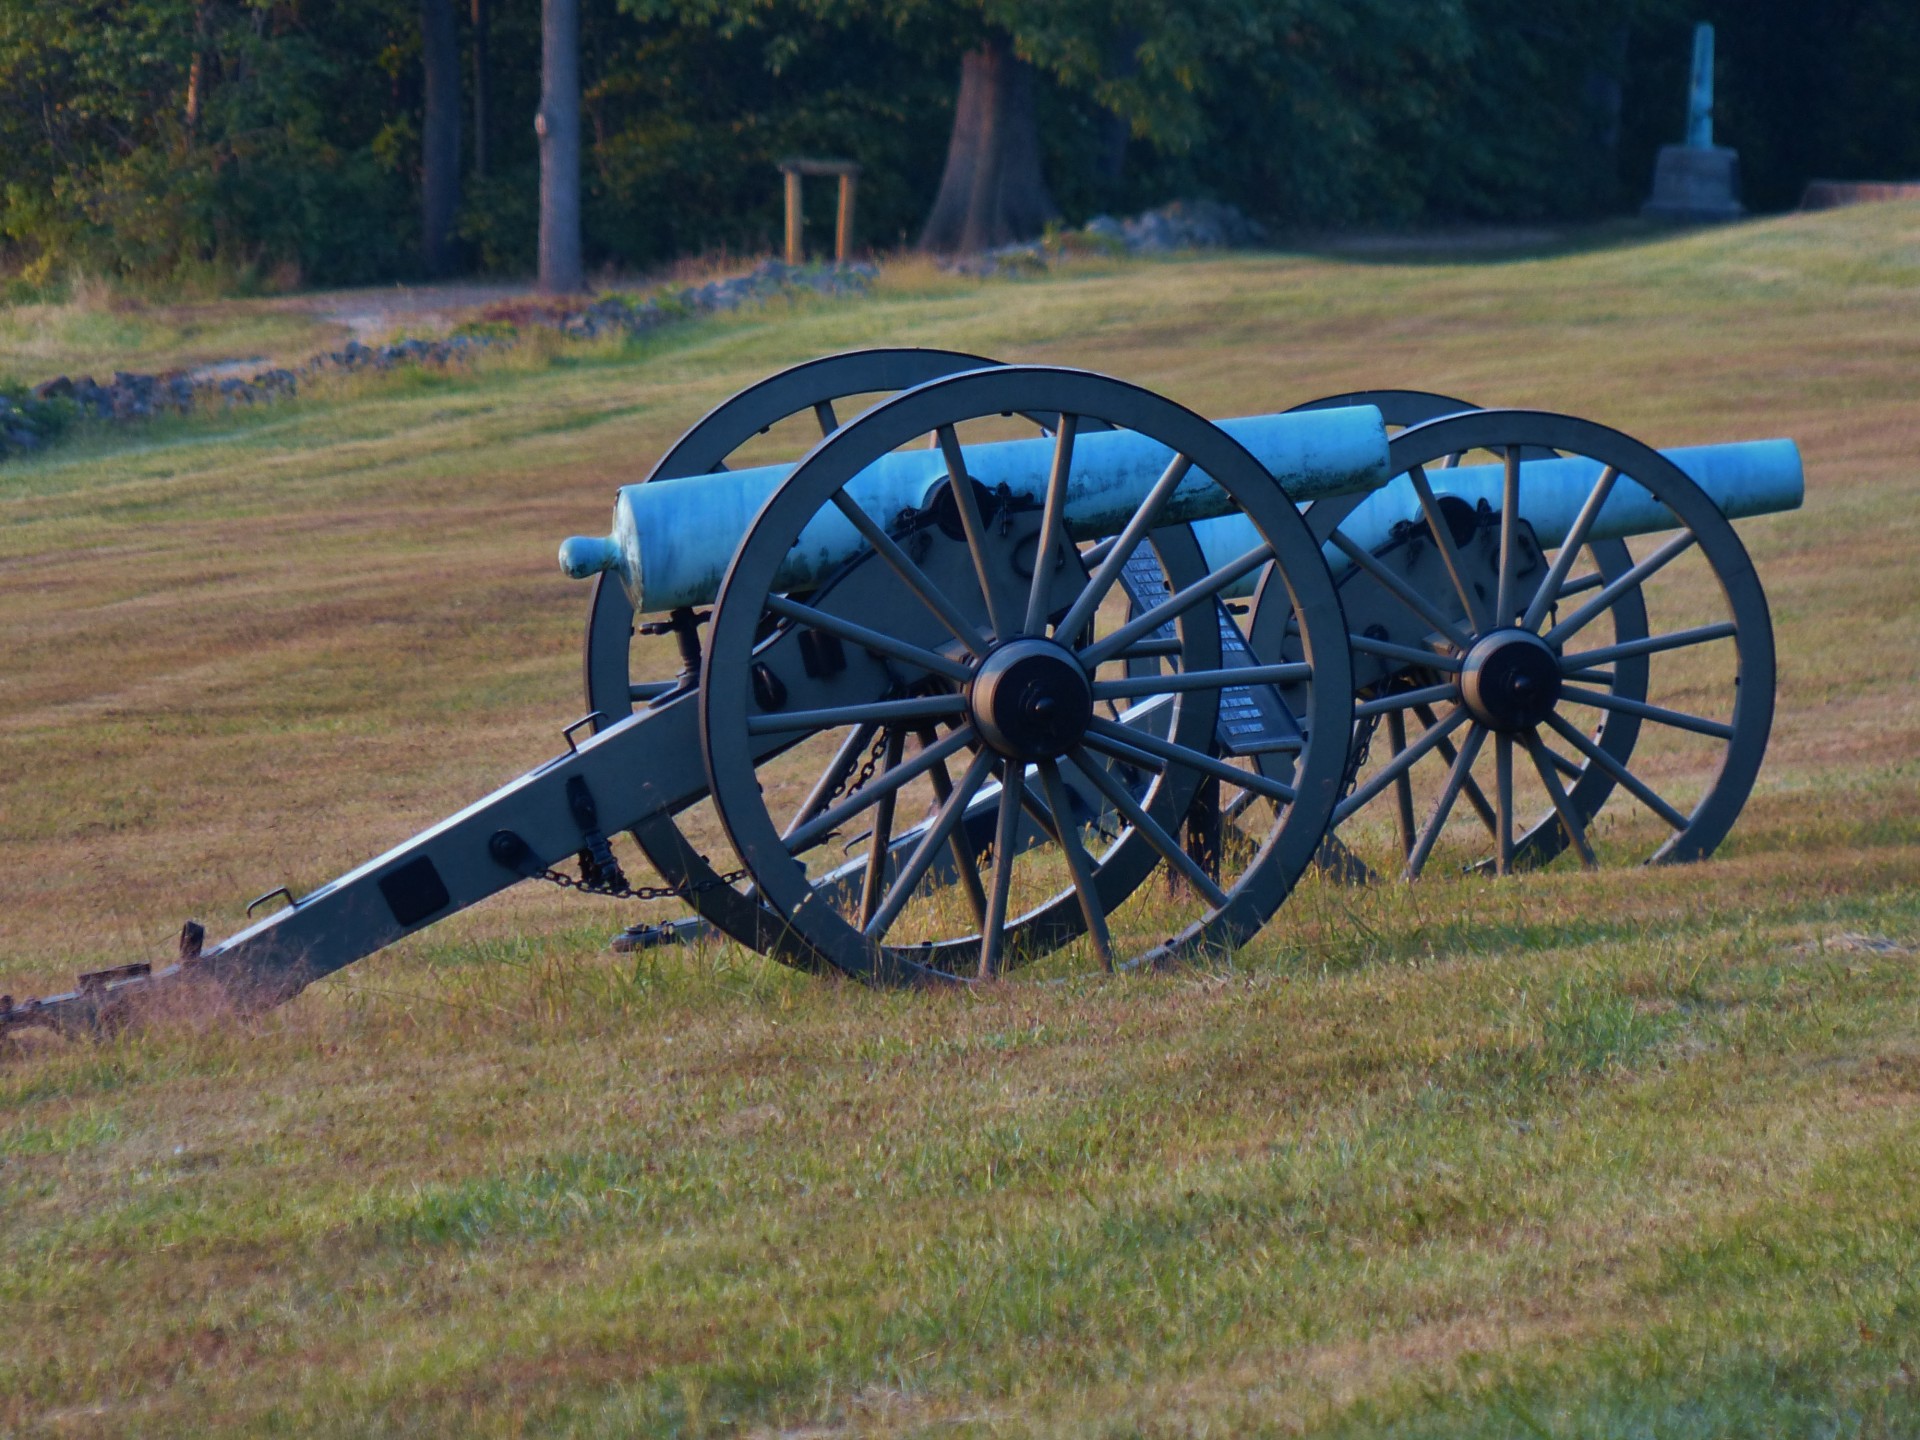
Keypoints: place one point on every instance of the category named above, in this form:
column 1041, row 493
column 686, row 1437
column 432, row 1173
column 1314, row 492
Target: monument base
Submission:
column 1695, row 185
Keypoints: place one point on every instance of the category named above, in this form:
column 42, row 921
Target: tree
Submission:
column 558, row 126
column 992, row 190
column 439, row 133
column 481, row 87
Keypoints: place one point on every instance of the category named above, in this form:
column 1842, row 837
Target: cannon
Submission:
column 971, row 675
column 1407, row 676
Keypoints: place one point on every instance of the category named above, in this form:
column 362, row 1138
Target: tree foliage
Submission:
column 296, row 152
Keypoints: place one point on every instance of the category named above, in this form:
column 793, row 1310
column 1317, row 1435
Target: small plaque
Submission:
column 1253, row 719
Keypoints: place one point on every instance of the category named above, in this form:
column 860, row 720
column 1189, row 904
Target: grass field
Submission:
column 1635, row 1153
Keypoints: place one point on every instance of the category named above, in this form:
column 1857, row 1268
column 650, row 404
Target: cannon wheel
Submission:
column 1613, row 732
column 1689, row 618
column 1053, row 627
column 612, row 690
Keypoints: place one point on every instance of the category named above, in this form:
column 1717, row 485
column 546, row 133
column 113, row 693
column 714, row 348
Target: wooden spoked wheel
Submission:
column 1612, row 731
column 1487, row 651
column 999, row 646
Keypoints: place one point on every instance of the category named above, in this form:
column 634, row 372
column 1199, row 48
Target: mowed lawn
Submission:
column 1635, row 1153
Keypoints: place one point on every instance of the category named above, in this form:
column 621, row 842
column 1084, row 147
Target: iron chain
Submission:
column 640, row 892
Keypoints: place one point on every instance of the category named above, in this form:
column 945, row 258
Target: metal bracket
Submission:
column 567, row 732
column 513, row 853
column 259, row 900
column 598, row 865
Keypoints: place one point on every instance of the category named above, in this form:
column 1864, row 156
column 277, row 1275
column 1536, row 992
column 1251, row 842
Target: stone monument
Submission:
column 1697, row 181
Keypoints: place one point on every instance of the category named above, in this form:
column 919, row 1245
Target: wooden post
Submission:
column 843, row 222
column 847, row 172
column 794, row 253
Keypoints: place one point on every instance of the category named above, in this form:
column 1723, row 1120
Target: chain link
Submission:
column 866, row 771
column 639, row 892
column 1362, row 749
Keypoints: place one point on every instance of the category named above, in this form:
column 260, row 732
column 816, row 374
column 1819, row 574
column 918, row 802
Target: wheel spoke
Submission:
column 1050, row 529
column 1388, row 650
column 1080, row 614
column 1175, row 605
column 1503, row 607
column 1399, row 764
column 968, row 504
column 1592, row 580
column 1561, row 763
column 1151, row 649
column 1638, row 575
column 1402, row 591
column 965, row 859
column 1651, row 645
column 800, row 837
column 1006, row 840
column 829, row 422
column 1449, row 554
column 1476, row 797
column 868, row 639
column 1456, row 777
column 1078, row 864
column 1111, row 734
column 1679, row 720
column 1640, row 790
column 1170, row 849
column 835, row 775
column 1503, row 804
column 1550, row 590
column 1405, row 700
column 931, row 843
column 911, row 575
column 1563, row 807
column 1201, row 680
column 880, row 842
column 918, row 707
column 1402, row 784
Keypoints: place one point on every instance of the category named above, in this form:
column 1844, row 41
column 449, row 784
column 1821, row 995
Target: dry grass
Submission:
column 1573, row 1155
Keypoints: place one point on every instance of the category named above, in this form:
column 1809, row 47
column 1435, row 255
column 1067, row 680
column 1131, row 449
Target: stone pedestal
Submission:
column 1695, row 184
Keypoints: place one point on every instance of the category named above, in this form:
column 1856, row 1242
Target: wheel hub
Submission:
column 1031, row 700
column 1511, row 680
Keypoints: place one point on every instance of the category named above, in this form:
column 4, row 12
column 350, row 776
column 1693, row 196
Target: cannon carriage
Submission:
column 1013, row 640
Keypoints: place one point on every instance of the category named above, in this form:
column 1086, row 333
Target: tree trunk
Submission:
column 480, row 87
column 197, row 69
column 558, row 126
column 992, row 191
column 439, row 134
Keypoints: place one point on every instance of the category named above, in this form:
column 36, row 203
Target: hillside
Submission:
column 1567, row 1155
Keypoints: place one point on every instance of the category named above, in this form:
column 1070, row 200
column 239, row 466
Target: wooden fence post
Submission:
column 848, row 173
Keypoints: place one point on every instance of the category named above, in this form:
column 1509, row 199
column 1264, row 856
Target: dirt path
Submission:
column 375, row 311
